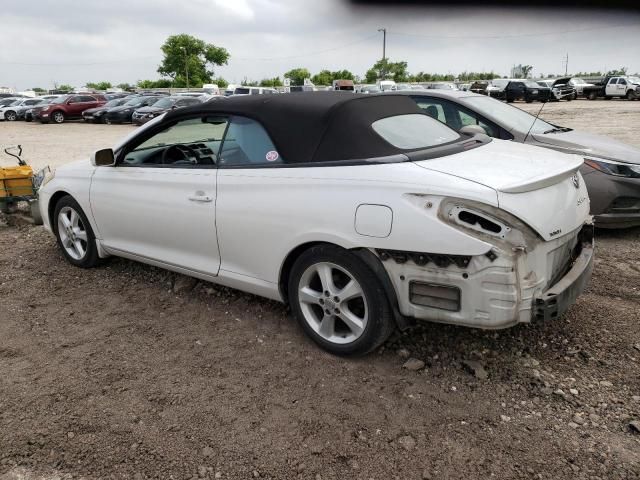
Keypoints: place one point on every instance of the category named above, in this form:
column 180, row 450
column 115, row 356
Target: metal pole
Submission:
column 186, row 65
column 384, row 48
column 566, row 66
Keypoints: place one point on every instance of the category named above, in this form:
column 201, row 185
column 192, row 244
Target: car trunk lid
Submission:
column 539, row 186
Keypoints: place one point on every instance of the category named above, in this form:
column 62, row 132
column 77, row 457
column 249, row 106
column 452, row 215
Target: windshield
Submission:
column 512, row 118
column 531, row 84
column 134, row 102
column 113, row 103
column 165, row 102
column 578, row 81
column 635, row 80
column 59, row 100
column 241, row 91
column 414, row 131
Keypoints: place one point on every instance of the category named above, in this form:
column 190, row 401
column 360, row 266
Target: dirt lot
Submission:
column 127, row 371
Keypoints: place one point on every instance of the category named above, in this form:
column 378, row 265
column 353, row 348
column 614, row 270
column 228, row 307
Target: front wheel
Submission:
column 58, row 117
column 74, row 234
column 10, row 116
column 631, row 95
column 339, row 301
column 592, row 95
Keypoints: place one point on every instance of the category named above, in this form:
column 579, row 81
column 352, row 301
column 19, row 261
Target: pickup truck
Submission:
column 614, row 86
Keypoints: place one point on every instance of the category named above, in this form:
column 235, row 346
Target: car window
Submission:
column 469, row 118
column 247, row 143
column 189, row 143
column 413, row 131
column 613, row 81
column 433, row 108
column 622, row 81
column 456, row 116
column 86, row 98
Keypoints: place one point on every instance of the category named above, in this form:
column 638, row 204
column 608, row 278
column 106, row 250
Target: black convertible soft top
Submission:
column 315, row 126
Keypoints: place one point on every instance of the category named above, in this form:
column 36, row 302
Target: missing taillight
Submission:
column 478, row 221
column 474, row 219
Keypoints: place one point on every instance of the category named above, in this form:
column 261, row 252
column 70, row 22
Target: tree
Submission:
column 384, row 69
column 188, row 56
column 38, row 90
column 620, row 71
column 221, row 82
column 162, row 83
column 125, row 86
column 271, row 82
column 64, row 87
column 326, row 77
column 99, row 85
column 297, row 75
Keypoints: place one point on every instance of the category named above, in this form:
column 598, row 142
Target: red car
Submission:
column 68, row 107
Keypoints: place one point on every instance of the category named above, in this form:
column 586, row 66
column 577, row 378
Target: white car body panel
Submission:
column 320, row 206
column 163, row 214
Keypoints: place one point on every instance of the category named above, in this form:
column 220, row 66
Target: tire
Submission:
column 81, row 253
column 10, row 116
column 57, row 116
column 631, row 95
column 575, row 96
column 607, row 97
column 352, row 326
column 592, row 95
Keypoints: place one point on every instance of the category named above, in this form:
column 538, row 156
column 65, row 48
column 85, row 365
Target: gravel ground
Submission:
column 130, row 372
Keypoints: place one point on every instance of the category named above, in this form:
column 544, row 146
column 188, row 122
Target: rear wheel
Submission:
column 592, row 95
column 57, row 117
column 74, row 234
column 339, row 301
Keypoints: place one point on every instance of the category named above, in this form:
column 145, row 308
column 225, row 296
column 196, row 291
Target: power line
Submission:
column 515, row 35
column 317, row 52
column 123, row 60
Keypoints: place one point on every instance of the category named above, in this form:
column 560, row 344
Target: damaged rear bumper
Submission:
column 557, row 299
column 497, row 290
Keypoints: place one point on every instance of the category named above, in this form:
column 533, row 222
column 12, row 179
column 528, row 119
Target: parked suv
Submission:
column 526, row 90
column 67, row 107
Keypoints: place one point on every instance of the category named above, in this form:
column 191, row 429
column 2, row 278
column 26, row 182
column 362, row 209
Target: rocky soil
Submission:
column 130, row 372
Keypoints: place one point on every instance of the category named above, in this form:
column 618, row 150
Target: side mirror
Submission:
column 473, row 130
column 103, row 158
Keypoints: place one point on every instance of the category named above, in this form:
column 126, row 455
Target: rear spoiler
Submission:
column 545, row 181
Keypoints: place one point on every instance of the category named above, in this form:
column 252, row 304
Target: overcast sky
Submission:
column 75, row 42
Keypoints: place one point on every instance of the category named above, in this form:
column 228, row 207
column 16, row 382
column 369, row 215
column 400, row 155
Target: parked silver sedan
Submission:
column 611, row 168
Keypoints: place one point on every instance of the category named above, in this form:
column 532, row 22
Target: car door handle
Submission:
column 201, row 198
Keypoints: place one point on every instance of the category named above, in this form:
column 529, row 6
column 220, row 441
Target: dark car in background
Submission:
column 124, row 112
column 96, row 115
column 526, row 90
column 611, row 169
column 144, row 114
column 67, row 107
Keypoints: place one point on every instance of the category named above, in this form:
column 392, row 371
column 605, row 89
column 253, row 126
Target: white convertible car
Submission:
column 361, row 212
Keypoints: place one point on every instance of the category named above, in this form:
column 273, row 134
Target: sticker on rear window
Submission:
column 272, row 156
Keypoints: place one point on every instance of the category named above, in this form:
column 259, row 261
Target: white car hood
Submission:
column 540, row 186
column 585, row 144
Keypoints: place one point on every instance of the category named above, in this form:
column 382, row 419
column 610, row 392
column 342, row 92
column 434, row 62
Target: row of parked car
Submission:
column 566, row 88
column 96, row 108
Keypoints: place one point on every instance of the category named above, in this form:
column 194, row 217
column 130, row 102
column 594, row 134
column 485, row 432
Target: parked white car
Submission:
column 359, row 211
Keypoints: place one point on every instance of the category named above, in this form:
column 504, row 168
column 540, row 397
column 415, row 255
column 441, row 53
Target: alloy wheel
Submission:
column 72, row 233
column 58, row 117
column 10, row 116
column 333, row 303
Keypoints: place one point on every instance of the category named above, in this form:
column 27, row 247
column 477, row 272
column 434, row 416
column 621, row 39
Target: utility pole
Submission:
column 384, row 49
column 186, row 65
column 566, row 65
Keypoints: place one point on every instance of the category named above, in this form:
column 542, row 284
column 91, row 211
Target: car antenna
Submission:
column 534, row 122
